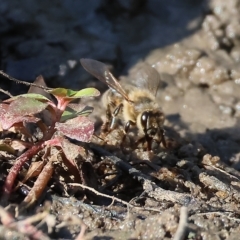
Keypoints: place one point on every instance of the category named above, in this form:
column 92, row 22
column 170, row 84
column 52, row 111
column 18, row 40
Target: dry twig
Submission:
column 113, row 198
column 150, row 187
column 6, row 92
column 181, row 230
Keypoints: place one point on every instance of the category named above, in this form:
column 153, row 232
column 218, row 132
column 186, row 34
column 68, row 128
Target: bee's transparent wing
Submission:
column 147, row 77
column 102, row 73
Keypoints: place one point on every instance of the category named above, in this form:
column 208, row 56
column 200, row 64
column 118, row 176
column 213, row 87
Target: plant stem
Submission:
column 12, row 175
column 17, row 167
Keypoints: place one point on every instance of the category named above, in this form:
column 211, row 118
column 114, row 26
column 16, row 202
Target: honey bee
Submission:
column 137, row 105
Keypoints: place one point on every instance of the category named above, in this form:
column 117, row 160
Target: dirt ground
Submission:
column 189, row 190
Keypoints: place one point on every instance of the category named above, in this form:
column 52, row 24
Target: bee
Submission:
column 137, row 104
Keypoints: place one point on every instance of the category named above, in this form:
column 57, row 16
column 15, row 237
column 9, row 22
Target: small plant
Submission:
column 53, row 123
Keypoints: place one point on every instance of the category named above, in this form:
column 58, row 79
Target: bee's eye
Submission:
column 144, row 119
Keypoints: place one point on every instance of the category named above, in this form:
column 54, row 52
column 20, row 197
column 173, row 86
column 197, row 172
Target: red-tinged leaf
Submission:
column 72, row 154
column 3, row 108
column 54, row 142
column 7, row 119
column 26, row 106
column 71, row 151
column 40, row 90
column 80, row 128
column 20, row 110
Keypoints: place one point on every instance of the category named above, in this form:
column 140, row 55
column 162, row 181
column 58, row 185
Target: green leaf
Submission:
column 71, row 94
column 62, row 92
column 87, row 92
column 74, row 110
column 35, row 96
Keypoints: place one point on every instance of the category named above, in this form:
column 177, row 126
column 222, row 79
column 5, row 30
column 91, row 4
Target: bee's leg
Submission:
column 128, row 125
column 110, row 122
column 143, row 140
column 149, row 142
column 126, row 129
column 163, row 141
column 105, row 126
column 114, row 116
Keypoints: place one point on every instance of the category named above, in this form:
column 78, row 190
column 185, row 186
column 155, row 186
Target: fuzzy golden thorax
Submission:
column 144, row 111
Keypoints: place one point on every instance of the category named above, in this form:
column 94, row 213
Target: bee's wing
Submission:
column 147, row 77
column 102, row 73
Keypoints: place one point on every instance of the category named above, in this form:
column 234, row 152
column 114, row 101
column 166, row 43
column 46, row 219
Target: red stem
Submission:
column 17, row 167
column 12, row 175
column 61, row 106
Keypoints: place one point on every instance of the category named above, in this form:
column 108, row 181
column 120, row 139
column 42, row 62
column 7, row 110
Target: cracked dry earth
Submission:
column 193, row 185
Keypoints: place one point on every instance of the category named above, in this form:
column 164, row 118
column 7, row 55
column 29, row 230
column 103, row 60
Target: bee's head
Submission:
column 151, row 121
